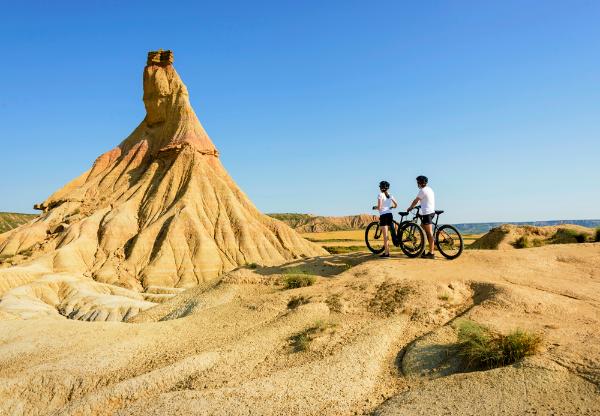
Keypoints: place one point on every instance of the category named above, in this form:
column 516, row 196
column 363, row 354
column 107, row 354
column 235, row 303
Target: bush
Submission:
column 581, row 237
column 597, row 235
column 252, row 266
column 294, row 281
column 480, row 348
column 522, row 242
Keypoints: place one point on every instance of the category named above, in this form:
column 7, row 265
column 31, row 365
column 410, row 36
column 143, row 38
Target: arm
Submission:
column 414, row 203
column 394, row 203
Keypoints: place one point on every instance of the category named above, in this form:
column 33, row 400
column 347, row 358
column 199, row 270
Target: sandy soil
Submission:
column 383, row 330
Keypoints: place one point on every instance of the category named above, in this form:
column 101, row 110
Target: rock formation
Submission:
column 158, row 210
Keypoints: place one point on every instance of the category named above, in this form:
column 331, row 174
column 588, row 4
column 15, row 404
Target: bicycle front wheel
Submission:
column 412, row 239
column 374, row 238
column 449, row 242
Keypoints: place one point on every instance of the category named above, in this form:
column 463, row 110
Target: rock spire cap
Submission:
column 160, row 57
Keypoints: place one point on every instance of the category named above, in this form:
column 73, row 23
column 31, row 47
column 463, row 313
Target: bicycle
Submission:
column 410, row 236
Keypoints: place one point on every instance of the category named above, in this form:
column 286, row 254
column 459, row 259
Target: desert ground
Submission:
column 382, row 331
column 151, row 284
column 356, row 239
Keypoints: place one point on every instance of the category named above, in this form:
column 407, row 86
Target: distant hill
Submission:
column 306, row 223
column 484, row 227
column 314, row 223
column 10, row 220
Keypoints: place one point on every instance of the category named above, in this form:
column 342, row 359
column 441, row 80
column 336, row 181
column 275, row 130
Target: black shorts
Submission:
column 427, row 219
column 386, row 219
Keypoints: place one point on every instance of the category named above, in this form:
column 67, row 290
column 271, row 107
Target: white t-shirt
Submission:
column 386, row 203
column 427, row 200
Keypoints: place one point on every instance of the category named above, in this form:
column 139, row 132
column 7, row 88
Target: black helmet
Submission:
column 422, row 179
column 385, row 185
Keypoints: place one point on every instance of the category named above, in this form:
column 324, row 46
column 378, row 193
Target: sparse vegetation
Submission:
column 301, row 341
column 252, row 266
column 334, row 302
column 444, row 296
column 597, row 235
column 296, row 301
column 294, row 281
column 525, row 242
column 296, row 277
column 565, row 236
column 389, row 298
column 480, row 348
column 9, row 220
column 344, row 249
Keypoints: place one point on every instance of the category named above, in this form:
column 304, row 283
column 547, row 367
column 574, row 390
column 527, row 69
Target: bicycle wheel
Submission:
column 374, row 238
column 412, row 239
column 449, row 242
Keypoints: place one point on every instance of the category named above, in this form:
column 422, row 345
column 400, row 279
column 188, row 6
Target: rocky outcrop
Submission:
column 157, row 210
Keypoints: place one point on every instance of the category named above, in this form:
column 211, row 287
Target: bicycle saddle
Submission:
column 439, row 211
column 402, row 213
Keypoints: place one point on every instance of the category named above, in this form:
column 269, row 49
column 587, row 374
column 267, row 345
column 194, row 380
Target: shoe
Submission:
column 384, row 255
column 428, row 256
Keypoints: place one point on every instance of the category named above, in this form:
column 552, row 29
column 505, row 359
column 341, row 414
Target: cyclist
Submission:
column 427, row 211
column 385, row 203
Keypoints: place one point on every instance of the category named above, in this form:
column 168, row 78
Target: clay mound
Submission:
column 157, row 210
column 305, row 223
column 507, row 235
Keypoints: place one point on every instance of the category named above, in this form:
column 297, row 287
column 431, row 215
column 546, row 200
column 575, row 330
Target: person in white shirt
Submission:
column 385, row 204
column 427, row 211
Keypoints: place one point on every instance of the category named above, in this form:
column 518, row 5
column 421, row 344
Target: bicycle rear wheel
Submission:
column 449, row 242
column 374, row 238
column 412, row 239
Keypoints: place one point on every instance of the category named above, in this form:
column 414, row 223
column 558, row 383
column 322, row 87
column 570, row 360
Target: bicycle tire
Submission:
column 377, row 234
column 412, row 239
column 441, row 244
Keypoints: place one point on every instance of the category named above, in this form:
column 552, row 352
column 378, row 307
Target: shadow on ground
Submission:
column 323, row 266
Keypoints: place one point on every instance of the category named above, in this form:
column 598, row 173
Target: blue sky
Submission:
column 311, row 104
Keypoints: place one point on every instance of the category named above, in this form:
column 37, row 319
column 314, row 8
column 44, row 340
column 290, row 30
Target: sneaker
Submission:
column 384, row 255
column 428, row 256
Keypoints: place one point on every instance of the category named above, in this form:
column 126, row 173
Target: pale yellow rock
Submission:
column 157, row 210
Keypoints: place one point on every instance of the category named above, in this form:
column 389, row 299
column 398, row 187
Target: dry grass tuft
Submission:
column 295, row 278
column 296, row 301
column 526, row 242
column 302, row 340
column 480, row 348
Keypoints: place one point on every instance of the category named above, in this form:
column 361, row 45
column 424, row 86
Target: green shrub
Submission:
column 252, row 266
column 480, row 348
column 581, row 237
column 294, row 281
column 597, row 235
column 522, row 242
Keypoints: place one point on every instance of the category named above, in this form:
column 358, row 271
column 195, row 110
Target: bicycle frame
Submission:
column 417, row 218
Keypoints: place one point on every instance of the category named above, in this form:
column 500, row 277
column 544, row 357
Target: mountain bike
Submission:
column 410, row 236
column 407, row 235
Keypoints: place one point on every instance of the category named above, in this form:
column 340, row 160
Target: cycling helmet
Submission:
column 422, row 179
column 385, row 185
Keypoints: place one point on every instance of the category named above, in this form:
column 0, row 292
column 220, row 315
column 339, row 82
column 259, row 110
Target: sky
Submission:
column 312, row 103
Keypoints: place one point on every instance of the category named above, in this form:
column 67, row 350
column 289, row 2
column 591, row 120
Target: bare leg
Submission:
column 386, row 241
column 429, row 231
